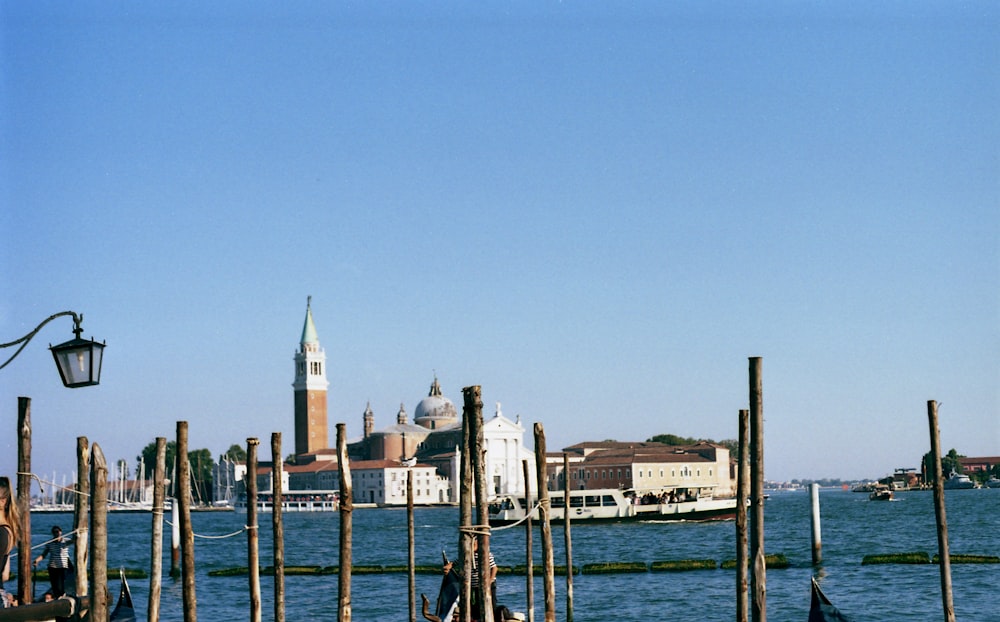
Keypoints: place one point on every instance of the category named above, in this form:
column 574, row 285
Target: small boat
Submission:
column 881, row 493
column 993, row 482
column 958, row 481
column 124, row 610
column 821, row 609
column 68, row 607
column 613, row 504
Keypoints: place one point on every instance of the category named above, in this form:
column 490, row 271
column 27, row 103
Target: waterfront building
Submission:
column 644, row 466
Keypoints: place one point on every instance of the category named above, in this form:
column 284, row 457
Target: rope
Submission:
column 538, row 504
column 476, row 530
column 222, row 537
column 38, row 546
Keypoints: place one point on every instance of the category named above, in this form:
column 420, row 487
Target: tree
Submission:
column 672, row 439
column 202, row 467
column 236, row 453
column 949, row 462
column 148, row 456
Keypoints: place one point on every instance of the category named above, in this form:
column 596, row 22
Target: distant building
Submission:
column 644, row 467
column 978, row 465
column 382, row 458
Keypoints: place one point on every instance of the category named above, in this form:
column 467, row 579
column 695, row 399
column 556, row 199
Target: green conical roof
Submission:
column 309, row 328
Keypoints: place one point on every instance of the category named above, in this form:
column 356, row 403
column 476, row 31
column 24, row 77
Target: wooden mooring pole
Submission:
column 346, row 526
column 411, row 554
column 939, row 513
column 816, row 531
column 81, row 515
column 758, row 600
column 278, row 527
column 253, row 535
column 742, row 493
column 187, row 531
column 568, row 540
column 24, row 586
column 465, row 518
column 529, row 563
column 99, row 598
column 156, row 548
column 473, row 398
column 548, row 564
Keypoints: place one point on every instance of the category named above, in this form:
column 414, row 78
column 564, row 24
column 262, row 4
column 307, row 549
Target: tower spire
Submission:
column 309, row 336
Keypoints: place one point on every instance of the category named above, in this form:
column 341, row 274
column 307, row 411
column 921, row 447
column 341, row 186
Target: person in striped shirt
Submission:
column 491, row 574
column 57, row 550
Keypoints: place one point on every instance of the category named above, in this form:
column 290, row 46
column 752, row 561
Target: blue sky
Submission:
column 596, row 211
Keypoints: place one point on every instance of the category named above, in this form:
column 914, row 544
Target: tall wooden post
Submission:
column 473, row 398
column 939, row 514
column 346, row 526
column 529, row 563
column 465, row 518
column 100, row 600
column 742, row 493
column 816, row 532
column 568, row 541
column 759, row 576
column 81, row 515
column 187, row 531
column 277, row 524
column 253, row 535
column 548, row 565
column 410, row 548
column 24, row 587
column 156, row 548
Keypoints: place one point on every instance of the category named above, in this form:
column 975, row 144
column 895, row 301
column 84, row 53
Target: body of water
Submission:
column 852, row 527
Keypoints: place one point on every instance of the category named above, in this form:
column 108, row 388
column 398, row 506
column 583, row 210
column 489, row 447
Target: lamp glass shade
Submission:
column 79, row 362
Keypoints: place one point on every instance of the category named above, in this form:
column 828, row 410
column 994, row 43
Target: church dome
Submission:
column 435, row 410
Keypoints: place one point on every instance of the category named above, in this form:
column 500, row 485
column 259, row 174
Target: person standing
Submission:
column 59, row 565
column 491, row 575
column 10, row 530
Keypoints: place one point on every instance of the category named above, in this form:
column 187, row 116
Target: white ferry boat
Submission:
column 612, row 504
column 294, row 501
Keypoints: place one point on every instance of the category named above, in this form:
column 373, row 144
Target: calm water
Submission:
column 852, row 527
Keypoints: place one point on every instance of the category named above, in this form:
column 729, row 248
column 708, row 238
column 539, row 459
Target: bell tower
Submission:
column 310, row 386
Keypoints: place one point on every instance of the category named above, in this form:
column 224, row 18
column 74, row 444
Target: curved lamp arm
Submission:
column 77, row 320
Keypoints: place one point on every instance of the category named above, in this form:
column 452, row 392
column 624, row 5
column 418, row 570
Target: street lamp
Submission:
column 78, row 360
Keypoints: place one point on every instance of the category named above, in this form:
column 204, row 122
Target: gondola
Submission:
column 821, row 609
column 123, row 611
column 71, row 608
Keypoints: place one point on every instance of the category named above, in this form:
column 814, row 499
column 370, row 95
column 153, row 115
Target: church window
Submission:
column 710, row 472
column 698, row 473
column 661, row 472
